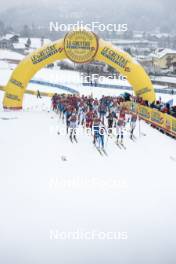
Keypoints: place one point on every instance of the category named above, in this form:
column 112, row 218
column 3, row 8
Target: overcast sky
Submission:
column 4, row 4
column 138, row 14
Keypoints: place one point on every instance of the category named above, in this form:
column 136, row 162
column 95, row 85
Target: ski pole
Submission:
column 139, row 127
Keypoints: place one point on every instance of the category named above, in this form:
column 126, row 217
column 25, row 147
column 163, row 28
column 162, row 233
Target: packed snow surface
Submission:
column 49, row 185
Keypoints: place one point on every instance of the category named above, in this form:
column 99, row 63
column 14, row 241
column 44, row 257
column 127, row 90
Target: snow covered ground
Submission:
column 6, row 54
column 49, row 186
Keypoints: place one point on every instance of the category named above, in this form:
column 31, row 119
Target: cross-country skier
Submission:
column 73, row 125
column 68, row 114
column 89, row 119
column 99, row 131
column 133, row 120
column 81, row 113
column 120, row 125
column 102, row 111
column 54, row 102
column 95, row 105
column 38, row 94
column 110, row 118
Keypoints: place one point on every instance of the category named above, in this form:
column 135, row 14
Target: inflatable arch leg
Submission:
column 80, row 47
column 28, row 67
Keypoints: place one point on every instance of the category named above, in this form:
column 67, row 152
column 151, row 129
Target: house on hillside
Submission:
column 164, row 59
column 28, row 45
column 136, row 46
column 146, row 62
column 7, row 41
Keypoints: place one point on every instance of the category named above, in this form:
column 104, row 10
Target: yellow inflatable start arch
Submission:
column 80, row 47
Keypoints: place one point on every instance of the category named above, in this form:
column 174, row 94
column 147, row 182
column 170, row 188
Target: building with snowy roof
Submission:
column 164, row 58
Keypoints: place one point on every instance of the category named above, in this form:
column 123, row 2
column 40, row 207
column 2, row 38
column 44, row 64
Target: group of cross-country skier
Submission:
column 103, row 116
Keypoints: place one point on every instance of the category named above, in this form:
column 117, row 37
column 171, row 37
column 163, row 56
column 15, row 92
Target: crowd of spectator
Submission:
column 161, row 106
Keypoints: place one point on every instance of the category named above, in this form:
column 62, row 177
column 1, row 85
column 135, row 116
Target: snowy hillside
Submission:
column 6, row 54
column 50, row 186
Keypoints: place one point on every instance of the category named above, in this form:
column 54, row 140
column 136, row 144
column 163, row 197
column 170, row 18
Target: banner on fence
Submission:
column 161, row 120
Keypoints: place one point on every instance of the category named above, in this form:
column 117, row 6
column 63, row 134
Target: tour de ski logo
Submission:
column 81, row 46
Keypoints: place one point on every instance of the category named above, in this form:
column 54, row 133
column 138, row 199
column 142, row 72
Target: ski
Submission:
column 63, row 158
column 104, row 151
column 123, row 146
column 118, row 145
column 75, row 139
column 99, row 150
column 7, row 118
column 173, row 158
column 133, row 139
column 143, row 134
